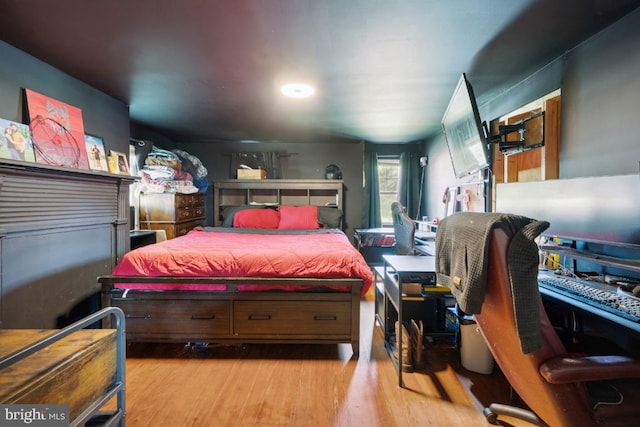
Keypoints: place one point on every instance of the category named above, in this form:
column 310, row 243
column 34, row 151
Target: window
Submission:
column 388, row 176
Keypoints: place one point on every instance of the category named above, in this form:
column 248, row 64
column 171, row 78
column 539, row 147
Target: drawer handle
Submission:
column 203, row 317
column 326, row 317
column 259, row 317
column 144, row 316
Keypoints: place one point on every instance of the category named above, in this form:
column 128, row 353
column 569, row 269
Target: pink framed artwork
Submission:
column 57, row 132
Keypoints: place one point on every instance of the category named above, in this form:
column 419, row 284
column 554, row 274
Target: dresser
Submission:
column 174, row 213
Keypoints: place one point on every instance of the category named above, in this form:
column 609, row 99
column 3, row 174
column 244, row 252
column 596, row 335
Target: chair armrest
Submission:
column 562, row 370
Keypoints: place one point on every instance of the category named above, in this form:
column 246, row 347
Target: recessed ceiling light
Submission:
column 297, row 90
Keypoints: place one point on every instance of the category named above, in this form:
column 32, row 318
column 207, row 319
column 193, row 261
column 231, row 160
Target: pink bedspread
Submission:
column 316, row 254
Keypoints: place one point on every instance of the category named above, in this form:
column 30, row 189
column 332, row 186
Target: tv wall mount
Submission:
column 508, row 147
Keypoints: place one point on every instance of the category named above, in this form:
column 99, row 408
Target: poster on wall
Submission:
column 57, row 132
column 15, row 141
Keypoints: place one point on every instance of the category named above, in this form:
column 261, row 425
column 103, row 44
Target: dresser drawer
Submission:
column 189, row 200
column 183, row 228
column 190, row 212
column 172, row 229
column 291, row 317
column 178, row 318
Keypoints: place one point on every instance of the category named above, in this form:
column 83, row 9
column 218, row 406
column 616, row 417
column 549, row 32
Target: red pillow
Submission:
column 298, row 218
column 256, row 218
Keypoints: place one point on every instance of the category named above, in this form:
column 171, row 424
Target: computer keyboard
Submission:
column 592, row 294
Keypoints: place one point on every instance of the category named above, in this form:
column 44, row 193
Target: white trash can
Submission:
column 474, row 352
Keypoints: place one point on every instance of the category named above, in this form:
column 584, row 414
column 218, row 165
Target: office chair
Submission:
column 404, row 229
column 559, row 388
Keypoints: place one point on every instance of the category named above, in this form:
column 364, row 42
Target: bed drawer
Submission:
column 177, row 318
column 291, row 317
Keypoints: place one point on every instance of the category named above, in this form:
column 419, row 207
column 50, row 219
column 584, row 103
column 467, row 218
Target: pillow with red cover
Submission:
column 298, row 218
column 256, row 218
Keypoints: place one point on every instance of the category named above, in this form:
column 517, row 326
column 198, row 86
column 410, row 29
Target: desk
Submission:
column 430, row 306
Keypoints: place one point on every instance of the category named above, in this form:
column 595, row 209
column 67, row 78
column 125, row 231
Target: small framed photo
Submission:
column 15, row 141
column 118, row 163
column 95, row 152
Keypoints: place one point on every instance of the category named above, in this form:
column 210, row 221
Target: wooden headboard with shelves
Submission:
column 295, row 192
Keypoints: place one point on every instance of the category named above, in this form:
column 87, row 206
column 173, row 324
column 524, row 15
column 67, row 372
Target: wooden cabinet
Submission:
column 176, row 214
column 79, row 367
column 59, row 374
column 295, row 192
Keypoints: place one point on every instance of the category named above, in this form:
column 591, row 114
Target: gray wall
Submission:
column 48, row 267
column 102, row 115
column 600, row 129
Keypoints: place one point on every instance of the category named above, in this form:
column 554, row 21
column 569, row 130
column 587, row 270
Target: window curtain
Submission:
column 372, row 217
column 269, row 161
column 409, row 185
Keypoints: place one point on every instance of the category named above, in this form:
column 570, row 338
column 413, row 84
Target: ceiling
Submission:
column 205, row 70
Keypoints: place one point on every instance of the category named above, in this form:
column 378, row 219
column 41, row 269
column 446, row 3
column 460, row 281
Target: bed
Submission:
column 243, row 285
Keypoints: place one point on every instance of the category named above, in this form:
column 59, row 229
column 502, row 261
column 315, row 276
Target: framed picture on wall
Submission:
column 118, row 163
column 57, row 132
column 15, row 141
column 95, row 153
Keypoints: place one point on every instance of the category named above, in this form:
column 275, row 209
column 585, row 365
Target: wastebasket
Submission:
column 474, row 352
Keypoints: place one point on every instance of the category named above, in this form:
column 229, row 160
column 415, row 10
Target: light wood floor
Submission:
column 303, row 385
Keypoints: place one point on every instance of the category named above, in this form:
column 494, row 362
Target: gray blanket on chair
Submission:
column 462, row 249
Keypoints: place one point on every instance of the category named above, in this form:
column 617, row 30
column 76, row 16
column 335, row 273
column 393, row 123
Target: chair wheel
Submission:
column 490, row 416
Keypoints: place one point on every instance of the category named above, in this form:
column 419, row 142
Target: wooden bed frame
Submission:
column 233, row 316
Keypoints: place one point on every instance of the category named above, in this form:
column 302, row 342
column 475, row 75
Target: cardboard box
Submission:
column 252, row 174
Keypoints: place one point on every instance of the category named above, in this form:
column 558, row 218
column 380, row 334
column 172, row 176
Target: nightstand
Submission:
column 141, row 238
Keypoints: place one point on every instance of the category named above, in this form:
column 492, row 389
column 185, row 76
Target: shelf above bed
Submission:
column 294, row 192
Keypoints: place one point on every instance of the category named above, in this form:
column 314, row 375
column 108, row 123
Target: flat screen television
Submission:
column 463, row 131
